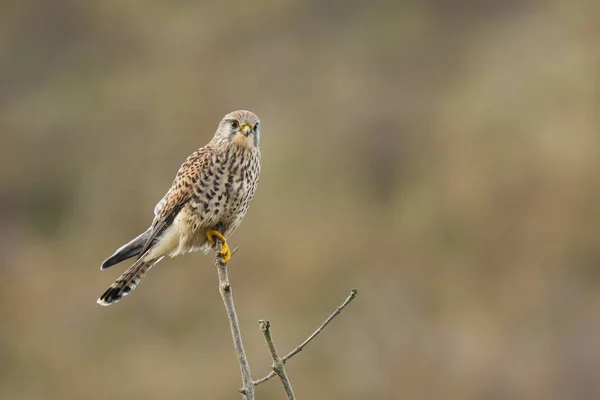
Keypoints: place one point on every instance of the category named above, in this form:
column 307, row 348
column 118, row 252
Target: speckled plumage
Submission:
column 211, row 191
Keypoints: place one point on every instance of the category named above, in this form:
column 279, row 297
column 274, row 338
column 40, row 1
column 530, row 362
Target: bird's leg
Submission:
column 225, row 252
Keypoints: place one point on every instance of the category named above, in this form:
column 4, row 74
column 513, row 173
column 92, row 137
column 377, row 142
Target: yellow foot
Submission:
column 225, row 252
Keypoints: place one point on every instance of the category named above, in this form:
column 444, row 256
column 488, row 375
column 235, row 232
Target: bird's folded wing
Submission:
column 188, row 176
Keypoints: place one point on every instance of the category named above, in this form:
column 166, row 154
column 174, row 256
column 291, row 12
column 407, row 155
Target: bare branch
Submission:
column 227, row 295
column 248, row 384
column 298, row 349
column 264, row 378
column 278, row 364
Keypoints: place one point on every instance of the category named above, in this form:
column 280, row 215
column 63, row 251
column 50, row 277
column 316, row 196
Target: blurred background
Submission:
column 440, row 156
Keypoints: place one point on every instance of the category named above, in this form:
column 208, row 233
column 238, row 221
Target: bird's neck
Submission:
column 236, row 145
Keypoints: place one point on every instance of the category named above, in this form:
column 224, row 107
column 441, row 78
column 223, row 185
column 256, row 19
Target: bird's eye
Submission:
column 235, row 124
column 256, row 126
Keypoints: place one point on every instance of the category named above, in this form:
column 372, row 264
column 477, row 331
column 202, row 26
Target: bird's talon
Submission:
column 211, row 240
column 210, row 235
column 225, row 251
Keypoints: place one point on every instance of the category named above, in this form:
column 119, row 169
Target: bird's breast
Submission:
column 227, row 188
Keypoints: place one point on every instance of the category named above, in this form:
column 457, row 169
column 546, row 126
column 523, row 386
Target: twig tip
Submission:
column 264, row 324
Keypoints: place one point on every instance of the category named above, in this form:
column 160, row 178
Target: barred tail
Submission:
column 126, row 282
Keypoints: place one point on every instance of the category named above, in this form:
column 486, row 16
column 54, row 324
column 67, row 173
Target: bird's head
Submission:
column 240, row 128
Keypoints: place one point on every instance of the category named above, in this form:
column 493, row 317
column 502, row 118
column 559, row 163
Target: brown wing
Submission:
column 181, row 191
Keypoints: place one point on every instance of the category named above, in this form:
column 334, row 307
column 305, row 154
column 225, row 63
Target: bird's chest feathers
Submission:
column 239, row 177
column 233, row 179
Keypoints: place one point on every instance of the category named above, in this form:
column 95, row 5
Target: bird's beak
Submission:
column 246, row 130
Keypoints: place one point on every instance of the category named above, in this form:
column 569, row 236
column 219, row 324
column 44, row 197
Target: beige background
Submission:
column 440, row 156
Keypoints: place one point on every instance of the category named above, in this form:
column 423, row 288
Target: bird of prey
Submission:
column 208, row 199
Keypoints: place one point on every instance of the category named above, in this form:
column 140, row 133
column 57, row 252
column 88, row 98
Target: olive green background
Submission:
column 440, row 156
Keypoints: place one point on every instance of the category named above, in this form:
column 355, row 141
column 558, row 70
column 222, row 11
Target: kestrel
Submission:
column 208, row 198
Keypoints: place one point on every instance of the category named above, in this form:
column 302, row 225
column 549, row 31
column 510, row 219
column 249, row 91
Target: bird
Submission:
column 208, row 200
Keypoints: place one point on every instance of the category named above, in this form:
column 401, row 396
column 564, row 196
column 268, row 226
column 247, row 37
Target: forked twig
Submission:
column 300, row 347
column 248, row 384
column 278, row 364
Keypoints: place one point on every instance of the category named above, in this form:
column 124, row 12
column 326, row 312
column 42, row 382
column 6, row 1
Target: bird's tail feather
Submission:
column 131, row 249
column 126, row 282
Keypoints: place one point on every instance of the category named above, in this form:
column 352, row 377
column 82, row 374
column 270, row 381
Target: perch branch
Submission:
column 300, row 347
column 247, row 389
column 278, row 364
